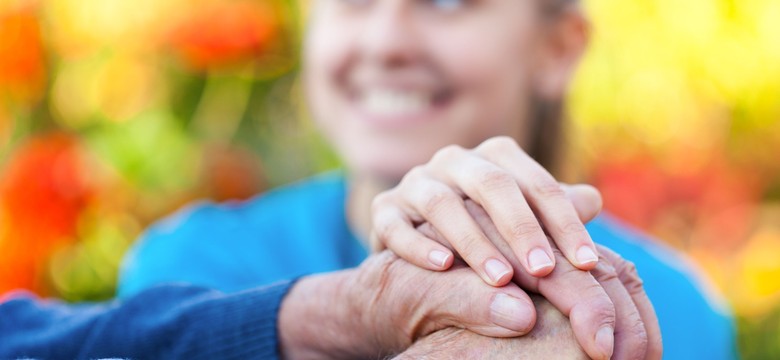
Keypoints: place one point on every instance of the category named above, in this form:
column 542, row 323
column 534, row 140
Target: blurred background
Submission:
column 115, row 113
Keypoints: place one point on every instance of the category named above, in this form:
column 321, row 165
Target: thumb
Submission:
column 465, row 301
column 586, row 199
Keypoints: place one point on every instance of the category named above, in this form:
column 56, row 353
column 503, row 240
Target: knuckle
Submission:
column 378, row 264
column 386, row 231
column 525, row 228
column 572, row 228
column 436, row 200
column 605, row 311
column 604, row 272
column 499, row 143
column 380, row 201
column 495, row 179
column 637, row 340
column 629, row 276
column 545, row 185
column 469, row 246
column 415, row 174
column 427, row 230
column 600, row 309
column 626, row 268
column 447, row 152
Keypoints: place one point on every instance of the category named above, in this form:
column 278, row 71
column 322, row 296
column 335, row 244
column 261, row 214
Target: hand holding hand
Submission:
column 551, row 338
column 521, row 198
column 609, row 311
column 383, row 306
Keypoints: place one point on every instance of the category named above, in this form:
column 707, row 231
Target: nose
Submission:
column 389, row 36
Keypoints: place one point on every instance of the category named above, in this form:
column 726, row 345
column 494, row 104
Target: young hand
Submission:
column 522, row 199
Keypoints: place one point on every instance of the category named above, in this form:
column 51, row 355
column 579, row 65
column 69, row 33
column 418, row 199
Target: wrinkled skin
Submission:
column 552, row 336
column 383, row 306
column 386, row 305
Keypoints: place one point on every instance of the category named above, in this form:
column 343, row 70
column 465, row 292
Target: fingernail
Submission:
column 496, row 269
column 586, row 255
column 605, row 340
column 510, row 313
column 438, row 258
column 538, row 259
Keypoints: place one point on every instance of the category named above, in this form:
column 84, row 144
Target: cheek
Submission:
column 493, row 80
column 494, row 85
column 325, row 52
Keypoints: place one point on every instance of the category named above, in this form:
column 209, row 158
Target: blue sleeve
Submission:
column 164, row 322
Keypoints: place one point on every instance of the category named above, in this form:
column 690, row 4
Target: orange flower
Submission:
column 22, row 68
column 43, row 190
column 224, row 33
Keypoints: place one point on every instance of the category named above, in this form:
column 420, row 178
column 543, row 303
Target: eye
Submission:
column 448, row 4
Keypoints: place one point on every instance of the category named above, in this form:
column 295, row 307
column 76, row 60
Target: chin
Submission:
column 387, row 169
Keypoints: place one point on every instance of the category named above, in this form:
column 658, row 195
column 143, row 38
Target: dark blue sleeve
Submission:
column 170, row 321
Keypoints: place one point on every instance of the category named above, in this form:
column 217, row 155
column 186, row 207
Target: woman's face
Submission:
column 392, row 81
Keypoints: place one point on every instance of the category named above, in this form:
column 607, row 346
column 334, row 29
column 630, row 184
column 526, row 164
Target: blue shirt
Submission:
column 301, row 229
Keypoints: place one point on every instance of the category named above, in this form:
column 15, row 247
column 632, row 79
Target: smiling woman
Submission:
column 404, row 90
column 672, row 115
column 398, row 80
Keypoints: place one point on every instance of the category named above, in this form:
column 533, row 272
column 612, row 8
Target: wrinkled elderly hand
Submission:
column 606, row 306
column 551, row 338
column 383, row 306
column 637, row 334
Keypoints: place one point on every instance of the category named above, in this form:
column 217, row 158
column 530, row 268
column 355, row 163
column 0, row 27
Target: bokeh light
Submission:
column 115, row 113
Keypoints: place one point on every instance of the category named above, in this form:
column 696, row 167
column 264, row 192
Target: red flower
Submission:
column 223, row 33
column 43, row 190
column 714, row 199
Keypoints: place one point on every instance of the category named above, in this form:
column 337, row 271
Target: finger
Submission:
column 444, row 209
column 375, row 243
column 630, row 334
column 380, row 201
column 577, row 294
column 489, row 311
column 574, row 292
column 547, row 199
column 397, row 233
column 633, row 284
column 586, row 200
column 426, row 301
column 498, row 193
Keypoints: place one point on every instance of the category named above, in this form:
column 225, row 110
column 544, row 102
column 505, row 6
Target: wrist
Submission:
column 321, row 318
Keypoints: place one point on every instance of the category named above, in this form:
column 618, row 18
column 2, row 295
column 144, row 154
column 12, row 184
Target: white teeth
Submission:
column 394, row 103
